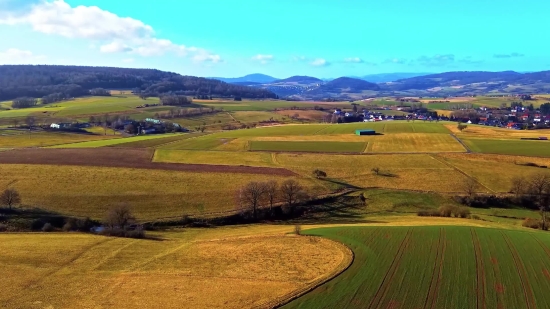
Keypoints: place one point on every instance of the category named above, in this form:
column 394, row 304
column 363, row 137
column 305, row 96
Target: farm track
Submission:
column 463, row 173
column 431, row 297
column 129, row 158
column 520, row 267
column 376, row 301
column 480, row 272
column 468, row 150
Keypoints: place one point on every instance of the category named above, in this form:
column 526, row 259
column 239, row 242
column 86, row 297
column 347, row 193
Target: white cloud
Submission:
column 18, row 56
column 319, row 62
column 128, row 60
column 115, row 47
column 206, row 57
column 263, row 59
column 353, row 60
column 116, row 34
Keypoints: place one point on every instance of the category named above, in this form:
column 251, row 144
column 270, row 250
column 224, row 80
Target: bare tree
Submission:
column 470, row 186
column 30, row 120
column 539, row 187
column 520, row 186
column 291, row 191
column 462, row 127
column 252, row 195
column 105, row 121
column 10, row 197
column 271, row 190
column 376, row 170
column 119, row 216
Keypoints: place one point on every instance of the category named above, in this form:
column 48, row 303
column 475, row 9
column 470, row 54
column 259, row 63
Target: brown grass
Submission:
column 82, row 271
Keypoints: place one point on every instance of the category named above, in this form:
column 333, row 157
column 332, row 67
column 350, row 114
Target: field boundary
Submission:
column 349, row 258
column 464, row 173
column 468, row 150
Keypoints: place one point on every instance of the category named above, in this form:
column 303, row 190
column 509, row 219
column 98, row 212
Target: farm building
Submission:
column 365, row 132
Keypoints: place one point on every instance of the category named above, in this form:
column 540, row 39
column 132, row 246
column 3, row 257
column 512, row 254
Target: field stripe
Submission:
column 437, row 271
column 527, row 290
column 383, row 288
column 543, row 246
column 480, row 272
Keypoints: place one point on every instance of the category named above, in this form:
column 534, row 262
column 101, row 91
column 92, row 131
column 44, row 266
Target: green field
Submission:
column 437, row 267
column 118, row 141
column 509, row 147
column 342, row 147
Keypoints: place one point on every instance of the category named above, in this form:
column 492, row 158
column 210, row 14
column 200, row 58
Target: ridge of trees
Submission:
column 56, row 83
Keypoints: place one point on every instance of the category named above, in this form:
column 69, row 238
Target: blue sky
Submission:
column 322, row 38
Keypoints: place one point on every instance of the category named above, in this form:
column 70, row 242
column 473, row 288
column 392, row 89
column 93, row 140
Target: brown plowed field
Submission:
column 128, row 158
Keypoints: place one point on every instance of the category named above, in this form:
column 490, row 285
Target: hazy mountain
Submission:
column 251, row 78
column 300, row 80
column 389, row 77
column 350, row 84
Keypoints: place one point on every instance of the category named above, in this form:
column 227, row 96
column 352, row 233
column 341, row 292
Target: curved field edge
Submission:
column 455, row 268
column 347, row 261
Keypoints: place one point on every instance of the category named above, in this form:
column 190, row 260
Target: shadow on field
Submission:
column 344, row 210
column 342, row 184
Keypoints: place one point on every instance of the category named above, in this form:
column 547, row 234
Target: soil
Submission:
column 125, row 158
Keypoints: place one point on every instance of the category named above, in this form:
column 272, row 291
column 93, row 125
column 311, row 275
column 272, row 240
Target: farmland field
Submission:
column 86, row 271
column 510, row 147
column 461, row 268
column 298, row 146
column 114, row 142
column 18, row 139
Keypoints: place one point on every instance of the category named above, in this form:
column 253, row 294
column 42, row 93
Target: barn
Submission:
column 365, row 132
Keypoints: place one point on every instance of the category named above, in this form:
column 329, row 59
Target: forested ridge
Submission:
column 38, row 81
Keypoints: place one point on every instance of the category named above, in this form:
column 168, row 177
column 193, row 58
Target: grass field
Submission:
column 299, row 146
column 510, row 147
column 461, row 268
column 157, row 142
column 120, row 141
column 85, row 271
column 153, row 194
column 214, row 157
column 18, row 139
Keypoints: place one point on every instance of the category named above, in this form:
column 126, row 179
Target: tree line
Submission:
column 39, row 81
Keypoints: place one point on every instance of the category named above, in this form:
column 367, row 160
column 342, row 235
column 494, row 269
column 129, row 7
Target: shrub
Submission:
column 3, row 227
column 298, row 229
column 47, row 228
column 462, row 212
column 67, row 227
column 446, row 211
column 476, row 217
column 532, row 223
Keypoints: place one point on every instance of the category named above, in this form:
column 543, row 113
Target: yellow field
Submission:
column 153, row 194
column 195, row 268
column 214, row 157
column 414, row 142
column 496, row 133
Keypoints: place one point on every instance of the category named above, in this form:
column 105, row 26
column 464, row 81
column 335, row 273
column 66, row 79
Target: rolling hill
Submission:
column 75, row 81
column 300, row 80
column 251, row 78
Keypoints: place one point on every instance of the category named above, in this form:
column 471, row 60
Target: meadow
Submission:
column 44, row 139
column 85, row 271
column 153, row 194
column 461, row 268
column 509, row 147
column 134, row 139
column 297, row 146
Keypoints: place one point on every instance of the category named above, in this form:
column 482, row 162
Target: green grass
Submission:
column 342, row 147
column 200, row 143
column 156, row 142
column 437, row 267
column 510, row 147
column 115, row 142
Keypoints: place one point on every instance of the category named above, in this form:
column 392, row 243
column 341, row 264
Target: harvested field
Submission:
column 509, row 147
column 214, row 157
column 152, row 143
column 130, row 158
column 56, row 270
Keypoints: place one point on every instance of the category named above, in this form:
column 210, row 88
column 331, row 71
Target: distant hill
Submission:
column 74, row 81
column 300, row 80
column 251, row 78
column 389, row 77
column 353, row 84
